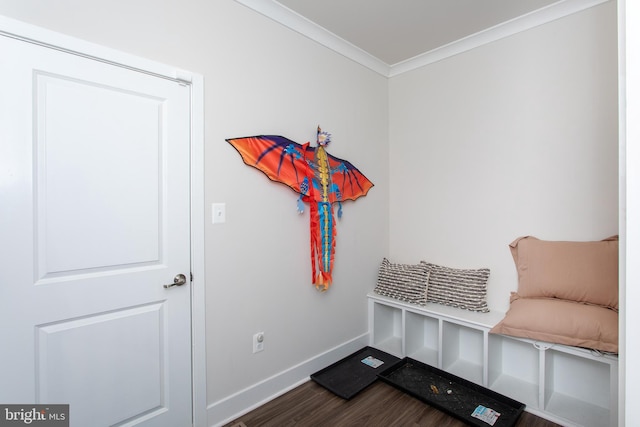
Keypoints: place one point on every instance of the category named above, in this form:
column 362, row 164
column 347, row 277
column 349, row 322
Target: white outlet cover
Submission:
column 258, row 342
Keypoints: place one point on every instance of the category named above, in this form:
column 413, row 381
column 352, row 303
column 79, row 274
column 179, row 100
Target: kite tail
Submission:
column 314, row 226
column 323, row 244
column 323, row 281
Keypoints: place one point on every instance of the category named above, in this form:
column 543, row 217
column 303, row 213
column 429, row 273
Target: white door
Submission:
column 94, row 220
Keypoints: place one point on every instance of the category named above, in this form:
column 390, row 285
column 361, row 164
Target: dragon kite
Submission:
column 321, row 180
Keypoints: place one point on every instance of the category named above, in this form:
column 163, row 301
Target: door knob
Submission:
column 179, row 280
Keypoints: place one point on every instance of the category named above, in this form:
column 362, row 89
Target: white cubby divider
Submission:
column 567, row 385
column 387, row 321
column 514, row 369
column 422, row 338
column 463, row 351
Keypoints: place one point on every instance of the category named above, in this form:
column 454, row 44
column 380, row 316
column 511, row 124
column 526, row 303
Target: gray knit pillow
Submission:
column 406, row 282
column 465, row 289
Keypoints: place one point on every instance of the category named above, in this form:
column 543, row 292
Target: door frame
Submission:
column 33, row 34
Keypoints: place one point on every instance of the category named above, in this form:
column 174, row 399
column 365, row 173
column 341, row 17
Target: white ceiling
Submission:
column 396, row 30
column 394, row 36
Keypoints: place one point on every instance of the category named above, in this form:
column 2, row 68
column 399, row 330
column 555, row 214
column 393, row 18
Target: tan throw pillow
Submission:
column 578, row 271
column 406, row 282
column 562, row 322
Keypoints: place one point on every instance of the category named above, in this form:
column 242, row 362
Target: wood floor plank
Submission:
column 379, row 405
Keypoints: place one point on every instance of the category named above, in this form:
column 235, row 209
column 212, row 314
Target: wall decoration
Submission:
column 321, row 180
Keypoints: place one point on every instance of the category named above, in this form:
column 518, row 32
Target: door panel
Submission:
column 102, row 200
column 94, row 184
column 127, row 343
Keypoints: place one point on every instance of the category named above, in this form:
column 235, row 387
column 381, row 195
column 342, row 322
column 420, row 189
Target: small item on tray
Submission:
column 487, row 415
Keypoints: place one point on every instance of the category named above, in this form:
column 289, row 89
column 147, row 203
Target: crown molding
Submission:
column 293, row 20
column 505, row 29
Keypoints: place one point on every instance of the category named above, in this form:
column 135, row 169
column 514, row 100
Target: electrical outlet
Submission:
column 258, row 342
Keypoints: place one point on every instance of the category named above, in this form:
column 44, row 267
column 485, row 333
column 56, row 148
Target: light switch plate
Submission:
column 218, row 213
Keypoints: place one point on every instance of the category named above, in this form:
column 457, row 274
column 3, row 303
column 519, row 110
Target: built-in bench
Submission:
column 567, row 385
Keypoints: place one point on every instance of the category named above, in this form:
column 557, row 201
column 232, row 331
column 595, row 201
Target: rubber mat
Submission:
column 467, row 401
column 354, row 373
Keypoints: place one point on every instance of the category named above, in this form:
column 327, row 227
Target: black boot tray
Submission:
column 351, row 375
column 452, row 394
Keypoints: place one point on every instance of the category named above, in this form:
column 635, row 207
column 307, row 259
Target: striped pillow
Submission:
column 465, row 289
column 406, row 282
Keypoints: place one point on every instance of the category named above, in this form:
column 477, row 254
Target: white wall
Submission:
column 260, row 78
column 517, row 137
column 629, row 14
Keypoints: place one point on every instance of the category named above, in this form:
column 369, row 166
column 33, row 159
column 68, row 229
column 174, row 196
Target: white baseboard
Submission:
column 226, row 410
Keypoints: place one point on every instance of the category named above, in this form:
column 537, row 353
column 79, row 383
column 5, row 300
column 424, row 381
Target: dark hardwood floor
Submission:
column 380, row 405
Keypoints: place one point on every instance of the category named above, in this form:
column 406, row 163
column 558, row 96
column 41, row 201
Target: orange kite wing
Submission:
column 288, row 162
